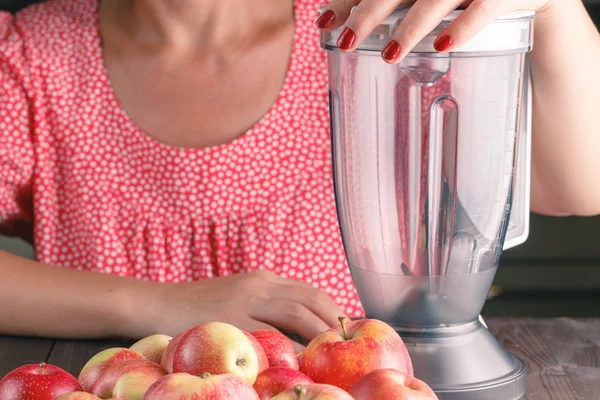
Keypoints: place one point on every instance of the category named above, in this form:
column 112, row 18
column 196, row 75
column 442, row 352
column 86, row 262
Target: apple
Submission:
column 167, row 358
column 342, row 355
column 37, row 382
column 182, row 386
column 78, row 396
column 390, row 384
column 314, row 391
column 132, row 385
column 263, row 361
column 101, row 361
column 278, row 348
column 152, row 347
column 275, row 380
column 83, row 396
column 145, row 373
column 216, row 348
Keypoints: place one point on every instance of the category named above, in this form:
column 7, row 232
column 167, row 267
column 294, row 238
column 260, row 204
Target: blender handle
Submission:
column 441, row 182
column 518, row 227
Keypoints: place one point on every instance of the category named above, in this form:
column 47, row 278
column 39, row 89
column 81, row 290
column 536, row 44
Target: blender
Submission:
column 431, row 173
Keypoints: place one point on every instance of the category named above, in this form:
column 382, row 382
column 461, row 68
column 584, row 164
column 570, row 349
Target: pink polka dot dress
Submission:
column 101, row 195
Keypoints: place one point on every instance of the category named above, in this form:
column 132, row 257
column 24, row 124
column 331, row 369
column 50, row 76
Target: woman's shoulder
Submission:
column 57, row 14
column 47, row 39
column 50, row 25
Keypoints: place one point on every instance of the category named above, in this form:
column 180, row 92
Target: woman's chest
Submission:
column 93, row 150
column 271, row 162
column 116, row 202
column 119, row 198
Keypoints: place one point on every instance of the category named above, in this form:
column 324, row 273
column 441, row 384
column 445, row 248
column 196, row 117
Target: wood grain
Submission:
column 18, row 351
column 72, row 355
column 562, row 355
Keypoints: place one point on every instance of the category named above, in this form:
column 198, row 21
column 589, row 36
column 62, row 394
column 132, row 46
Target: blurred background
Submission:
column 555, row 273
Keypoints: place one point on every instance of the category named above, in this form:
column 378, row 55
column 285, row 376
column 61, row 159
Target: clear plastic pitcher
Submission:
column 431, row 167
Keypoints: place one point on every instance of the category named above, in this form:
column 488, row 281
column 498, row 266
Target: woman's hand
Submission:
column 259, row 300
column 361, row 17
column 92, row 305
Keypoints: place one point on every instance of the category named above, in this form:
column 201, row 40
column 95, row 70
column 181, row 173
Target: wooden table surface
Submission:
column 562, row 355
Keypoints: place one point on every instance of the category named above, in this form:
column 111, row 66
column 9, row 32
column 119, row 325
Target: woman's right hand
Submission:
column 258, row 300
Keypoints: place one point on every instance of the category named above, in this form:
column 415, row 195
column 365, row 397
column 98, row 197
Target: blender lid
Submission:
column 511, row 15
column 511, row 32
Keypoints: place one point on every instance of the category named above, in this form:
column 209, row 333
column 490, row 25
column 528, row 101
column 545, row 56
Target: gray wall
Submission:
column 561, row 254
column 16, row 246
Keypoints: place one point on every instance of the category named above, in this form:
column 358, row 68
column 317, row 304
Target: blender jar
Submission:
column 431, row 167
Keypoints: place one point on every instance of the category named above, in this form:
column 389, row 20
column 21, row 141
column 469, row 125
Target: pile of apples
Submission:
column 357, row 360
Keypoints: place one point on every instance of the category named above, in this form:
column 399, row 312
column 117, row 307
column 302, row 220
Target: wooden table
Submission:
column 562, row 355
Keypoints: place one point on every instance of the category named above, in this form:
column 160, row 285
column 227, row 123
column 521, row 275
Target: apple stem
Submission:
column 300, row 391
column 343, row 325
column 204, row 375
column 42, row 368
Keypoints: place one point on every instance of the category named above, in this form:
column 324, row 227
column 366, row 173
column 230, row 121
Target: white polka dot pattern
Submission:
column 106, row 197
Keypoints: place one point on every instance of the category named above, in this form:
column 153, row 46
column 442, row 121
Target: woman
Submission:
column 176, row 141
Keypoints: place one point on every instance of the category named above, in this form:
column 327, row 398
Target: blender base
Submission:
column 464, row 362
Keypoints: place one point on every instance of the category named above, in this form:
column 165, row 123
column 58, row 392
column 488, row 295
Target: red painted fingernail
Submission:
column 442, row 43
column 391, row 50
column 325, row 19
column 346, row 39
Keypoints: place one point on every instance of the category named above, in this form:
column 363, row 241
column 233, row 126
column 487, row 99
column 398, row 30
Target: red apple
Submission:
column 390, row 384
column 167, row 358
column 78, row 396
column 152, row 347
column 278, row 348
column 37, row 382
column 182, row 386
column 216, row 348
column 275, row 380
column 342, row 355
column 146, row 372
column 315, row 391
column 101, row 361
column 263, row 361
column 85, row 396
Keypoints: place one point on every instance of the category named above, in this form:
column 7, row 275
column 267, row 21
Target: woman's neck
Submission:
column 201, row 24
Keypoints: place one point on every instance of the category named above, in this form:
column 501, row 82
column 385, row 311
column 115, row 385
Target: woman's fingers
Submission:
column 287, row 315
column 478, row 14
column 363, row 19
column 335, row 14
column 300, row 294
column 420, row 20
column 317, row 301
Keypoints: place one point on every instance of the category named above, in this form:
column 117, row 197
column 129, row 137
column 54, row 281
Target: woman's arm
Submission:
column 566, row 111
column 43, row 300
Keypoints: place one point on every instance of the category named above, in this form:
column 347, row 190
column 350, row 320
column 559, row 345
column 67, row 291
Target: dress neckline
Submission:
column 131, row 127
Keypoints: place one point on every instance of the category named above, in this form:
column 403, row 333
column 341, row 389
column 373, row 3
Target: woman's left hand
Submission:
column 361, row 17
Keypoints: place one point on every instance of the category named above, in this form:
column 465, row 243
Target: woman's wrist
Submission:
column 137, row 311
